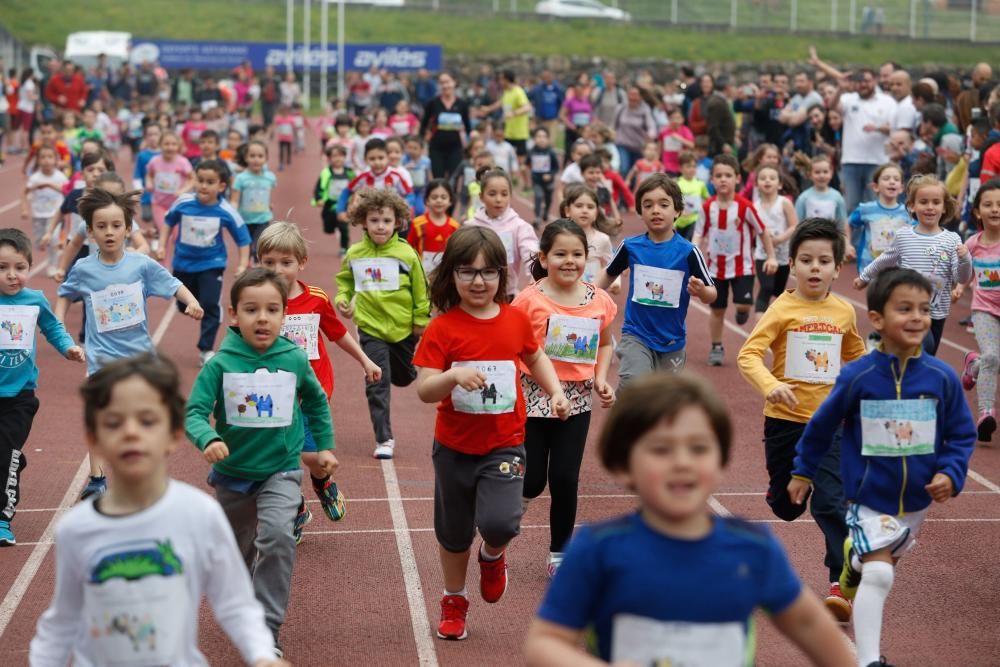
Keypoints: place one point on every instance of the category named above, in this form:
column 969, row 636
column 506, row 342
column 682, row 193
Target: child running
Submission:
column 24, row 312
column 544, row 165
column 134, row 413
column 429, row 233
column 571, row 319
column 935, row 252
column 811, row 333
column 383, row 288
column 666, row 271
column 258, row 388
column 168, row 176
column 695, row 193
column 580, row 205
column 44, row 190
column 467, row 364
column 779, row 218
column 114, row 286
column 252, row 192
column 822, row 201
column 662, row 585
column 331, row 182
column 908, row 437
column 876, row 221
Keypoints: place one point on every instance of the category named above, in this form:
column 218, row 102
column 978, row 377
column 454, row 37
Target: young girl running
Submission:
column 580, row 205
column 429, row 232
column 252, row 193
column 571, row 320
column 780, row 219
column 877, row 221
column 517, row 235
column 929, row 249
column 168, row 175
column 984, row 247
column 467, row 363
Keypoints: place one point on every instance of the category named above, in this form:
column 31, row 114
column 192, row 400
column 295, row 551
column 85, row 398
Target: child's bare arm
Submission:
column 67, row 257
column 59, row 310
column 433, row 384
column 50, row 230
column 551, row 645
column 347, row 343
column 544, row 374
column 807, row 623
column 194, row 309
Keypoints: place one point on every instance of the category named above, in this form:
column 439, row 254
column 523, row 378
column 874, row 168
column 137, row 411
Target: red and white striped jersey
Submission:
column 390, row 179
column 729, row 231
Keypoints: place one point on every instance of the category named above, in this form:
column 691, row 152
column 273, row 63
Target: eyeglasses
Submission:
column 467, row 274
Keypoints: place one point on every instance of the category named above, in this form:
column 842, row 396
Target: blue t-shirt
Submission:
column 139, row 173
column 115, row 298
column 655, row 312
column 875, row 224
column 200, row 246
column 18, row 370
column 828, row 204
column 255, row 196
column 419, row 171
column 623, row 578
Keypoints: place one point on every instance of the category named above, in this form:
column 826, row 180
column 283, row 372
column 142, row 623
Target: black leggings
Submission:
column 770, row 285
column 284, row 152
column 444, row 162
column 554, row 452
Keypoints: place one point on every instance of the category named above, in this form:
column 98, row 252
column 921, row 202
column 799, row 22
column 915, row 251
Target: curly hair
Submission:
column 369, row 199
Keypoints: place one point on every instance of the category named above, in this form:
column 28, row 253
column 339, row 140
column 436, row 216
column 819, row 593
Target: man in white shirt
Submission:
column 906, row 114
column 868, row 118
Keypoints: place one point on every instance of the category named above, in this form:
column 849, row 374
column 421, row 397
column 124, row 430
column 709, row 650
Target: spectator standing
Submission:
column 868, row 117
column 66, row 91
column 269, row 96
column 795, row 115
column 606, row 99
column 634, row 128
column 718, row 113
column 900, row 86
column 445, row 127
column 424, row 88
column 547, row 97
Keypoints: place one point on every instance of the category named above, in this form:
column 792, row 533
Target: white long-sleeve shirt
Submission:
column 128, row 588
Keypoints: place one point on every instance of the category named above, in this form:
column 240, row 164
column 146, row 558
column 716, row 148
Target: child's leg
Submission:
column 635, row 359
column 987, row 328
column 329, row 216
column 241, row 512
column 564, row 476
column 498, row 498
column 539, row 201
column 780, row 438
column 401, row 361
column 670, row 362
column 742, row 298
column 18, row 414
column 537, row 446
column 828, row 509
column 933, row 338
column 277, row 503
column 766, row 283
column 781, row 280
column 718, row 315
column 877, row 575
column 378, row 393
column 454, row 512
column 255, row 232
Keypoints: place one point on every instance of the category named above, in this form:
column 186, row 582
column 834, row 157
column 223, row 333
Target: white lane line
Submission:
column 8, row 206
column 718, row 507
column 37, row 268
column 168, row 317
column 983, row 481
column 426, row 653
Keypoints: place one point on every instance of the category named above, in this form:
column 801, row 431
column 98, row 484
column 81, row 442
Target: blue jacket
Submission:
column 891, row 484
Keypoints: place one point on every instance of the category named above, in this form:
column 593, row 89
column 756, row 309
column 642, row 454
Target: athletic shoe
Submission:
column 301, row 520
column 384, row 450
column 965, row 321
column 454, row 609
column 881, row 663
column 838, row 605
column 204, row 356
column 849, row 577
column 715, row 355
column 555, row 560
column 96, row 486
column 970, row 328
column 492, row 577
column 969, row 372
column 6, row 535
column 986, row 425
column 331, row 500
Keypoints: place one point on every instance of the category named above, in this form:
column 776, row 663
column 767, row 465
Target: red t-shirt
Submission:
column 426, row 236
column 496, row 344
column 304, row 331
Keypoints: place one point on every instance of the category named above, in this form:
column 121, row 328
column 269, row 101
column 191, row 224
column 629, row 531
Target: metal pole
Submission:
column 833, row 15
column 340, row 50
column 289, row 33
column 324, row 45
column 732, row 15
column 673, row 11
column 794, row 18
column 972, row 21
column 850, row 19
column 306, row 59
column 913, row 19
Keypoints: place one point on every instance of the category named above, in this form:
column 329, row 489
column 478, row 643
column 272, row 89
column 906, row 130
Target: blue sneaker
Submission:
column 6, row 536
column 96, row 486
column 301, row 520
column 331, row 499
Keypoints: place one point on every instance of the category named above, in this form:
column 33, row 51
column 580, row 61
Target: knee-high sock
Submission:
column 876, row 582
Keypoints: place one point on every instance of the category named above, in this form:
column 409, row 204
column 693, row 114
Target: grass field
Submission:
column 48, row 22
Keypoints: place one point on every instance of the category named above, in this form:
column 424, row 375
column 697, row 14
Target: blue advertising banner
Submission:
column 172, row 54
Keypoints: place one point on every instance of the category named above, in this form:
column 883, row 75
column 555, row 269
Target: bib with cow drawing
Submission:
column 259, row 400
column 813, row 357
column 653, row 286
column 898, row 428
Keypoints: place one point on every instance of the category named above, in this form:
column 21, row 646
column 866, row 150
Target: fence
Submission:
column 12, row 52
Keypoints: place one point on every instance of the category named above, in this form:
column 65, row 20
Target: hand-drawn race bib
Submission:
column 377, row 274
column 17, row 327
column 652, row 286
column 430, row 260
column 573, row 339
column 450, row 120
column 692, row 204
column 581, row 118
column 987, row 273
column 507, row 238
column 303, row 330
column 821, row 208
column 419, row 176
column 199, row 231
column 498, row 395
column 259, row 400
column 256, row 199
column 167, row 182
column 898, row 428
column 541, row 163
column 813, row 356
column 119, row 307
column 131, row 602
column 672, row 143
column 646, row 641
column 725, row 242
column 591, row 269
column 883, row 231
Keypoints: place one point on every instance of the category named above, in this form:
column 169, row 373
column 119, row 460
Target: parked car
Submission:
column 581, row 9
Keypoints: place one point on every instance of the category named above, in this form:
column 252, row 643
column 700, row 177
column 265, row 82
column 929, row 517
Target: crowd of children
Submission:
column 507, row 326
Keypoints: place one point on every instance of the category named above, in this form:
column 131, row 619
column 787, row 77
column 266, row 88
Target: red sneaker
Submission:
column 454, row 609
column 969, row 372
column 838, row 605
column 493, row 577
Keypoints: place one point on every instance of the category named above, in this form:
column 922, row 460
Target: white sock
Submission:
column 462, row 592
column 876, row 582
column 485, row 556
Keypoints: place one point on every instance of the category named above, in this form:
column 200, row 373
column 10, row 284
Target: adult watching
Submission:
column 634, row 128
column 868, row 117
column 445, row 126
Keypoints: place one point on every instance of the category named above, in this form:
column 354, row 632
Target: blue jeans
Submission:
column 628, row 157
column 854, row 182
column 206, row 286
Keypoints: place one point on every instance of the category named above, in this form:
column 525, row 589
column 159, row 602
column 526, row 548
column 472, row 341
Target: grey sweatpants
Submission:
column 987, row 328
column 636, row 359
column 396, row 362
column 262, row 522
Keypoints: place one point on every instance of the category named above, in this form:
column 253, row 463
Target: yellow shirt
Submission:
column 515, row 127
column 810, row 340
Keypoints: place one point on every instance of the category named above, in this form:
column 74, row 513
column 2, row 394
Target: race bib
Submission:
column 119, row 307
column 419, row 176
column 653, row 286
column 813, row 357
column 725, row 242
column 581, row 118
column 898, row 428
column 400, row 127
column 498, row 395
column 303, row 330
column 378, row 274
column 167, row 182
column 672, row 143
column 541, row 163
column 507, row 238
column 430, row 260
column 643, row 175
column 883, row 231
column 256, row 200
column 591, row 269
column 17, row 327
column 987, row 273
column 259, row 400
column 821, row 208
column 646, row 641
column 199, row 231
column 449, row 120
column 573, row 339
column 692, row 203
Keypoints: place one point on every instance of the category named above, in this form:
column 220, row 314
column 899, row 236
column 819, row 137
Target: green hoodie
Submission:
column 386, row 314
column 256, row 453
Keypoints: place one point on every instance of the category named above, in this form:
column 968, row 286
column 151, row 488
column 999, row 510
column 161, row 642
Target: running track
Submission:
column 366, row 590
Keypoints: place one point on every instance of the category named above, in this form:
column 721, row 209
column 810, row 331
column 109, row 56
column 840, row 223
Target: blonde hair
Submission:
column 930, row 181
column 281, row 236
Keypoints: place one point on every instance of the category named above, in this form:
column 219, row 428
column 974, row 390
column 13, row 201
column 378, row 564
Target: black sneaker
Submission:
column 96, row 486
column 881, row 663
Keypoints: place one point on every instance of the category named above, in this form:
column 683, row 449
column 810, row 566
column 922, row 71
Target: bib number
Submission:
column 17, row 327
column 821, row 208
column 987, row 273
column 497, row 396
column 259, row 400
column 883, row 232
column 379, row 274
column 541, row 163
column 119, row 307
column 898, row 428
column 652, row 286
column 303, row 330
column 646, row 641
column 725, row 242
column 813, row 357
column 430, row 260
column 573, row 339
column 199, row 231
column 691, row 203
column 167, row 182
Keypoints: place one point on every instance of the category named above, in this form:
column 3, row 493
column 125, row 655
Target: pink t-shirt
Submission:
column 403, row 125
column 579, row 111
column 284, row 128
column 986, row 275
column 672, row 147
column 191, row 134
column 168, row 178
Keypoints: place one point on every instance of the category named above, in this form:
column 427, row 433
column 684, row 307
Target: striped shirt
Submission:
column 730, row 231
column 933, row 255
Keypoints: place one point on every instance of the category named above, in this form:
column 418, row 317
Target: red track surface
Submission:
column 363, row 585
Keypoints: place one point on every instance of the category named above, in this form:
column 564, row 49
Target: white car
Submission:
column 581, row 9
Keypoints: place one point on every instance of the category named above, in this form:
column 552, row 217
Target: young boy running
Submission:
column 23, row 312
column 331, row 182
column 666, row 271
column 908, row 437
column 253, row 388
column 729, row 225
column 811, row 333
column 131, row 567
column 668, row 439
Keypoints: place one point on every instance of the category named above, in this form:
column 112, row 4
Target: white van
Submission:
column 83, row 48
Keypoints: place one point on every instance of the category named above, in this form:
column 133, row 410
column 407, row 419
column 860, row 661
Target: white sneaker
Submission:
column 555, row 560
column 384, row 450
column 204, row 356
